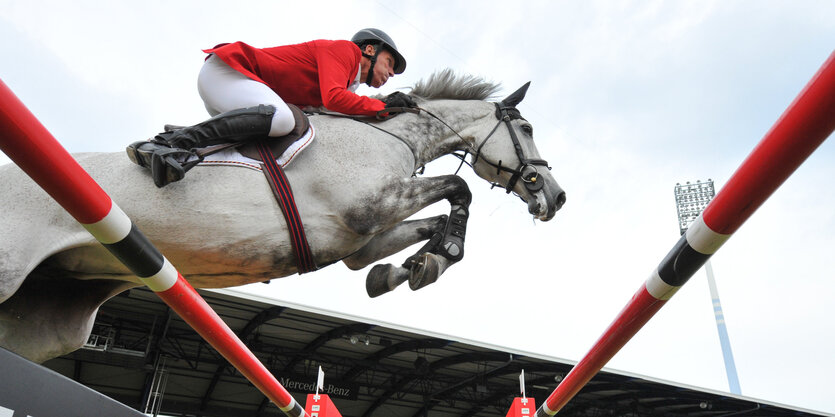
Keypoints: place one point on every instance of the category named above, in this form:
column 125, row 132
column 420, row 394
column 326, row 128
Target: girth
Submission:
column 265, row 149
column 284, row 195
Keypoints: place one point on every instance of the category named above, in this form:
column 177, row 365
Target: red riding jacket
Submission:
column 315, row 73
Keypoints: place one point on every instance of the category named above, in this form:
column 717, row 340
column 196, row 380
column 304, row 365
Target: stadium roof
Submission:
column 143, row 355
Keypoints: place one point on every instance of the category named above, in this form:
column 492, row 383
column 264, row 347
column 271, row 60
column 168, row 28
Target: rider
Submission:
column 246, row 89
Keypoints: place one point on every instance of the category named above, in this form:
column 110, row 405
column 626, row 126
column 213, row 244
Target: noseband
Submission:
column 531, row 180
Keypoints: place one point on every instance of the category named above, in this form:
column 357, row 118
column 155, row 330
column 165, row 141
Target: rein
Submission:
column 504, row 113
column 392, row 111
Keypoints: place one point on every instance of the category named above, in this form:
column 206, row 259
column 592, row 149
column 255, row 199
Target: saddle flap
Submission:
column 279, row 144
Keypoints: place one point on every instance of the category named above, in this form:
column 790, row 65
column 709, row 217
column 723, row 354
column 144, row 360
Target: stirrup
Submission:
column 162, row 161
column 165, row 167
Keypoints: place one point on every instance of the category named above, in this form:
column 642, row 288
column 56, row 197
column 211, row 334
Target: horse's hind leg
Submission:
column 384, row 278
column 47, row 317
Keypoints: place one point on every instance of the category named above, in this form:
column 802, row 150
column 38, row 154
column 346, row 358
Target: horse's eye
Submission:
column 528, row 129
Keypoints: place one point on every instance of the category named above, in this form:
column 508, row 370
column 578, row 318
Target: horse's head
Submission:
column 507, row 156
column 499, row 139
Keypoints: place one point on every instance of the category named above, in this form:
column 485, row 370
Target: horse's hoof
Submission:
column 375, row 282
column 382, row 279
column 427, row 271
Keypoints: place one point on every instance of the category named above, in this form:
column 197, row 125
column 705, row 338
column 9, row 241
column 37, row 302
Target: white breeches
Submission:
column 222, row 89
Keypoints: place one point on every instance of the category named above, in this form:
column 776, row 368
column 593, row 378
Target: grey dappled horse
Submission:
column 220, row 226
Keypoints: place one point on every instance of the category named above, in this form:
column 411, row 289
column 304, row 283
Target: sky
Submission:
column 627, row 99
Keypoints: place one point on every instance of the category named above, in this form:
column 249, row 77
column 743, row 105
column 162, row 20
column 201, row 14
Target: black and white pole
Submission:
column 691, row 200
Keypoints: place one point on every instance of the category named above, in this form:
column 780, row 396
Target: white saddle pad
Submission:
column 231, row 156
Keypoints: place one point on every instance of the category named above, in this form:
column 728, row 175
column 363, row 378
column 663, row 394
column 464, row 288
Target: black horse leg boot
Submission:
column 232, row 126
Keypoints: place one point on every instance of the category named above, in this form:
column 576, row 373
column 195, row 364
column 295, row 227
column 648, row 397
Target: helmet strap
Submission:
column 373, row 59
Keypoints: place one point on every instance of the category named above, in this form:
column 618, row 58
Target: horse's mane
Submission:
column 446, row 84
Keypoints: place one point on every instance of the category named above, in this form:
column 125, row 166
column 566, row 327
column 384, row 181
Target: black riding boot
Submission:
column 165, row 154
column 167, row 164
column 232, row 126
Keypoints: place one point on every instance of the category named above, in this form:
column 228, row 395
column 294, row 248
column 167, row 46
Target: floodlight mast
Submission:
column 691, row 199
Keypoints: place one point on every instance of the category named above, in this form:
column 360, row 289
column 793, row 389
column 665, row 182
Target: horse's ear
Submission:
column 517, row 96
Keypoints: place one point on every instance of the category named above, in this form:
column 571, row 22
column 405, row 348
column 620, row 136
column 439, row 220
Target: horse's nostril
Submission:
column 560, row 200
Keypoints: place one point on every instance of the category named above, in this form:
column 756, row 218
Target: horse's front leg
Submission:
column 400, row 200
column 396, row 239
column 384, row 278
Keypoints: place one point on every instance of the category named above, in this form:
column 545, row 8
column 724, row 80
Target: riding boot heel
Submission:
column 140, row 153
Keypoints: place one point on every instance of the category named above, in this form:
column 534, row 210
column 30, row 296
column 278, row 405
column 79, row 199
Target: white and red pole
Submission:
column 807, row 122
column 27, row 142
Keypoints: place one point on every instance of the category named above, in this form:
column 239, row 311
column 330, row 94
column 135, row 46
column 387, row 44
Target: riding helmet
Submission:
column 372, row 36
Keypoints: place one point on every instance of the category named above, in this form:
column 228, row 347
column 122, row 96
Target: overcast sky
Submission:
column 627, row 99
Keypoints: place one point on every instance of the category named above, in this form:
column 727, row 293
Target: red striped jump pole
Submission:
column 27, row 142
column 807, row 122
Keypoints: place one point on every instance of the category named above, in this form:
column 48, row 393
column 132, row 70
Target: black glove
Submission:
column 398, row 99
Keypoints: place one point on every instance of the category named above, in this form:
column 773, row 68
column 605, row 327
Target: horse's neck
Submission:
column 432, row 138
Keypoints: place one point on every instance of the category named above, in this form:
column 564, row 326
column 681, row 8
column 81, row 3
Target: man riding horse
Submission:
column 247, row 90
column 358, row 199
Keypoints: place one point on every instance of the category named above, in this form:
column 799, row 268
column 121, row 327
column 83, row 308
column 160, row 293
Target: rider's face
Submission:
column 384, row 69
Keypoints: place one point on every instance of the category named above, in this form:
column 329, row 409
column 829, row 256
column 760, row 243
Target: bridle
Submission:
column 505, row 114
column 531, row 180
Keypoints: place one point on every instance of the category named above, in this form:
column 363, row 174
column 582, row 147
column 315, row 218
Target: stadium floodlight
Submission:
column 691, row 200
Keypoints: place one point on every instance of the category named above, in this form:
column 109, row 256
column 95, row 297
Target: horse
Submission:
column 356, row 188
